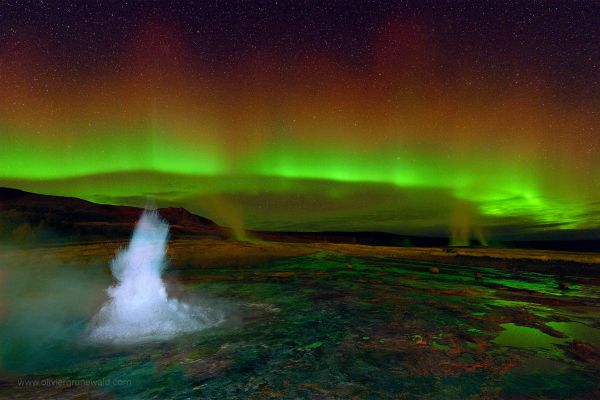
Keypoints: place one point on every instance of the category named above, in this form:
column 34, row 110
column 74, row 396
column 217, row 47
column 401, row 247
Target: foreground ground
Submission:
column 313, row 321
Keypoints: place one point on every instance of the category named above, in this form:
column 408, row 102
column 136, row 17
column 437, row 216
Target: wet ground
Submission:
column 327, row 326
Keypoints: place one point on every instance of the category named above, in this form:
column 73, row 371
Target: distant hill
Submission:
column 25, row 216
column 29, row 217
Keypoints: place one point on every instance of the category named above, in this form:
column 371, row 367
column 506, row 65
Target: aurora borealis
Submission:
column 404, row 117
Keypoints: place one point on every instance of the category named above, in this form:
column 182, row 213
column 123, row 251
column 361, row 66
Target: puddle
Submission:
column 523, row 336
column 578, row 331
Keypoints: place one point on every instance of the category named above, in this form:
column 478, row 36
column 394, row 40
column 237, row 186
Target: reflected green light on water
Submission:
column 578, row 331
column 523, row 336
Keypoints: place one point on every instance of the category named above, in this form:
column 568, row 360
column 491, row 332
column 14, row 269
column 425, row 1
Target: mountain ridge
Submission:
column 30, row 214
column 32, row 217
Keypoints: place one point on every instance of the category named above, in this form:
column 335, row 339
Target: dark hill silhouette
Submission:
column 28, row 216
column 68, row 218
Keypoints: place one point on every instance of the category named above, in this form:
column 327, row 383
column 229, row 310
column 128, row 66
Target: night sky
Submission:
column 456, row 118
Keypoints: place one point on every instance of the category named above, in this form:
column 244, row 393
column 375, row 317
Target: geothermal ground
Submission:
column 325, row 321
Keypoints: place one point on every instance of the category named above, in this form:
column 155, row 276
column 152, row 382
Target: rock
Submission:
column 419, row 340
column 584, row 352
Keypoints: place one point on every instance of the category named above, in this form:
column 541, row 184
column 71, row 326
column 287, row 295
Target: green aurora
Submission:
column 409, row 140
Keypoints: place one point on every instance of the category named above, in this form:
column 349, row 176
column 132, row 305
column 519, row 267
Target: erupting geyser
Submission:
column 139, row 308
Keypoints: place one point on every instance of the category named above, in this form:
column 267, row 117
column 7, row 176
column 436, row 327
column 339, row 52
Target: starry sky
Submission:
column 464, row 119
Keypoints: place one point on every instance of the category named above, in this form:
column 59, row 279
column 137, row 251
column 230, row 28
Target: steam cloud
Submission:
column 139, row 307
